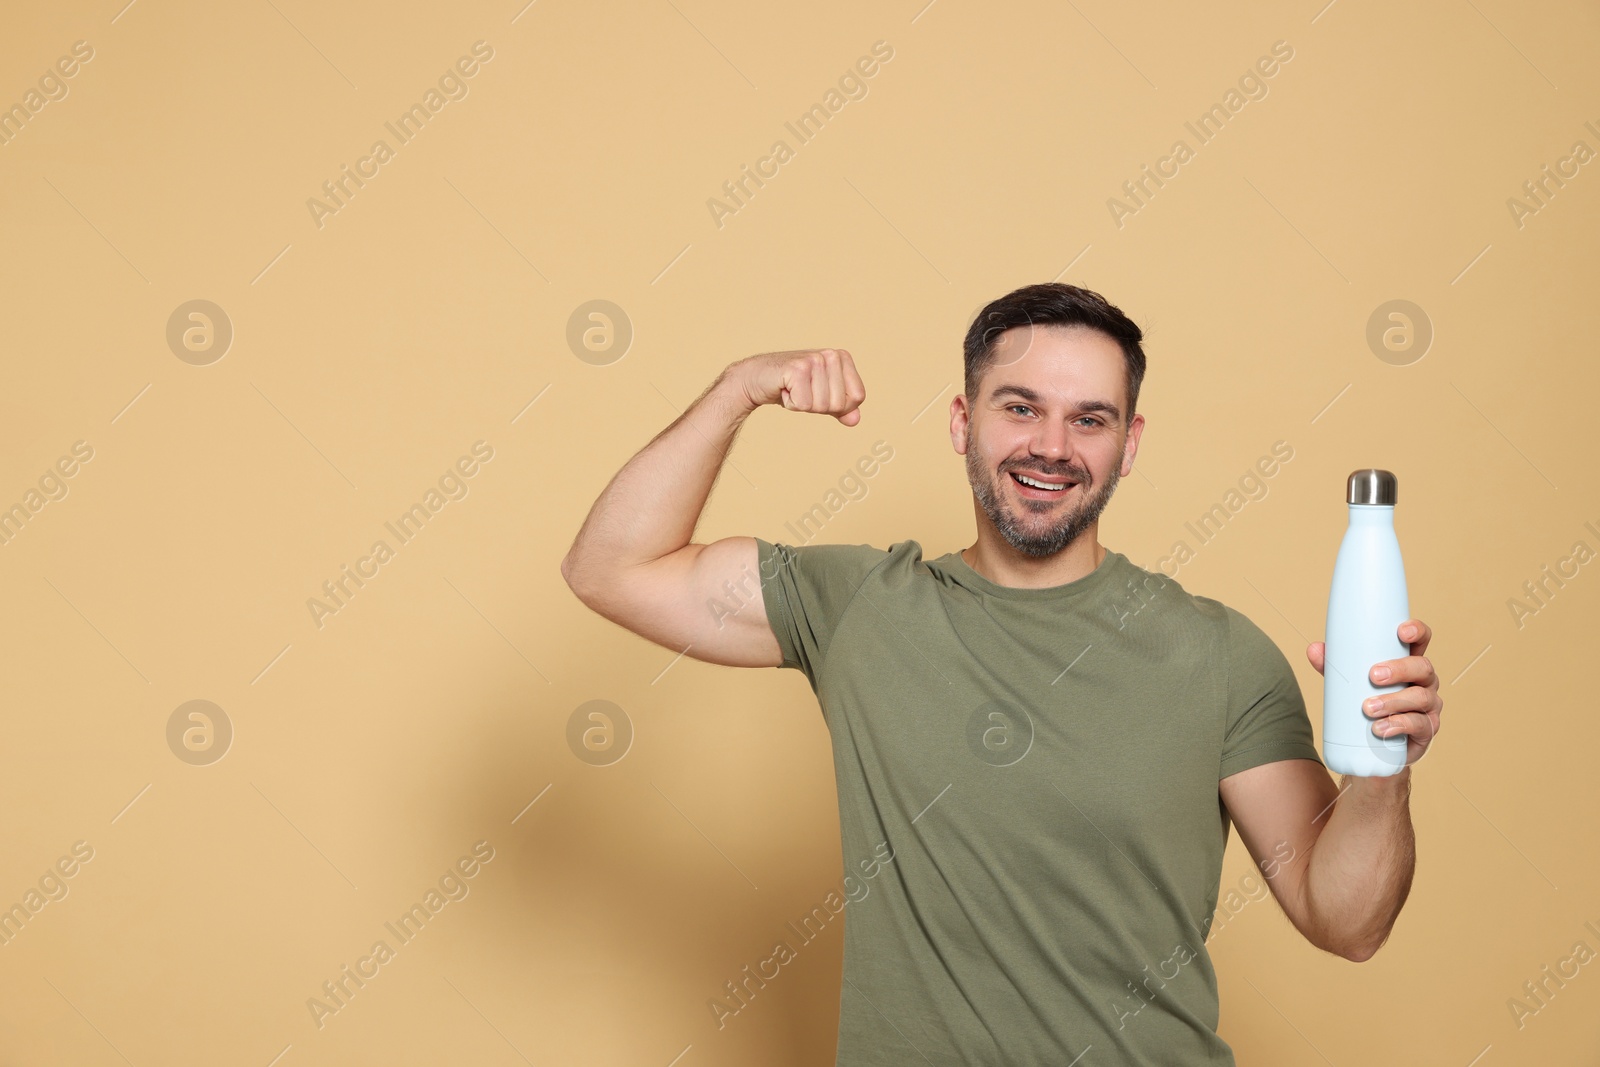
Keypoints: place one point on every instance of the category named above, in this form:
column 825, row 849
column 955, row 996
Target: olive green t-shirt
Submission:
column 1041, row 768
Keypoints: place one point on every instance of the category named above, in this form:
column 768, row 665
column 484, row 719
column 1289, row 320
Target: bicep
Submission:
column 1280, row 809
column 702, row 600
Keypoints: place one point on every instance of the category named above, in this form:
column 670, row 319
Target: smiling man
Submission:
column 1053, row 741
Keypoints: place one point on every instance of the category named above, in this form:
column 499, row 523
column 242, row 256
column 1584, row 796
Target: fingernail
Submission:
column 1374, row 705
column 1382, row 674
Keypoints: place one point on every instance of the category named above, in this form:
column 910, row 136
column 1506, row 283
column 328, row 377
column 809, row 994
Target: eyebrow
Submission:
column 1024, row 393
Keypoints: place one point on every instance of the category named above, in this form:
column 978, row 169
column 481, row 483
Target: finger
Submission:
column 1414, row 698
column 1317, row 653
column 1410, row 669
column 821, row 385
column 838, row 398
column 797, row 379
column 852, row 379
column 1411, row 723
column 1416, row 633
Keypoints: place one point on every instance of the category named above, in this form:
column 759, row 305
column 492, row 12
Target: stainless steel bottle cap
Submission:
column 1371, row 486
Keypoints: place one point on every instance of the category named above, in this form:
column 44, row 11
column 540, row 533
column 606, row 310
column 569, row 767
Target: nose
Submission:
column 1052, row 443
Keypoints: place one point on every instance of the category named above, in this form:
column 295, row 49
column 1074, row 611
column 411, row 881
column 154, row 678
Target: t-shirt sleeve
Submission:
column 807, row 590
column 1266, row 718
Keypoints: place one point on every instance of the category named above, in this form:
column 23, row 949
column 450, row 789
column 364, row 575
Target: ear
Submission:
column 960, row 422
column 1130, row 447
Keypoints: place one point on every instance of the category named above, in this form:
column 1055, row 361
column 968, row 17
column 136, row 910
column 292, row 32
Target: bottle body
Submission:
column 1366, row 605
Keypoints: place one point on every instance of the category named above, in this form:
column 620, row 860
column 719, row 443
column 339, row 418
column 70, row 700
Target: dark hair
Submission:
column 1058, row 304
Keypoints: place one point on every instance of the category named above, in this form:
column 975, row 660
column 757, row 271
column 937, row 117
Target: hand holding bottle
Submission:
column 1414, row 710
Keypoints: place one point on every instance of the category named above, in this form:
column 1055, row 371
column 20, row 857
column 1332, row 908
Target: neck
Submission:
column 994, row 558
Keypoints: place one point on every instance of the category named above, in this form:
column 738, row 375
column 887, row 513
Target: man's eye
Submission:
column 1014, row 407
column 1090, row 419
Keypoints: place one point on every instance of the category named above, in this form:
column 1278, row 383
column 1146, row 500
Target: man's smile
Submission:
column 1038, row 486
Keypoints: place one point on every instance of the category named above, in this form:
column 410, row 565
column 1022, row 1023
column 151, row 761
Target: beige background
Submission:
column 431, row 312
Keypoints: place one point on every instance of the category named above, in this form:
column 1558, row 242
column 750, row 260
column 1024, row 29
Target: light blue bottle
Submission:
column 1366, row 605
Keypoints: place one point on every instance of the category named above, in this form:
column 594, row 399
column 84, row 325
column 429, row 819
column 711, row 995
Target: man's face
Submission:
column 1051, row 407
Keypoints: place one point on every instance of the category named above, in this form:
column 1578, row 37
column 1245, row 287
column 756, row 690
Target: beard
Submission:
column 1044, row 527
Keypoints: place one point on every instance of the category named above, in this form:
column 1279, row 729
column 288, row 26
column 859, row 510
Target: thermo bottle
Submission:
column 1366, row 605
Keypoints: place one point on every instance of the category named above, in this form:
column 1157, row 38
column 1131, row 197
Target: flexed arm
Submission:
column 633, row 560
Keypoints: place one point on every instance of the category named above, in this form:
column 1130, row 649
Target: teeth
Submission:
column 1025, row 480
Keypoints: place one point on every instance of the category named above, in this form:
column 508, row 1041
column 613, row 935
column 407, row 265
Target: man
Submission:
column 1039, row 746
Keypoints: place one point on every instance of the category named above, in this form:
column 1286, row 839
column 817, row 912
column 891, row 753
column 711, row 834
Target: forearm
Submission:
column 1361, row 866
column 651, row 506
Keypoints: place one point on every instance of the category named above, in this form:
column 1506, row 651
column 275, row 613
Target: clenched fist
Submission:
column 820, row 380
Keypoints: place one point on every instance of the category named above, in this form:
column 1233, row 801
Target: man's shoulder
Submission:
column 1159, row 588
column 1157, row 606
column 1138, row 589
column 1245, row 639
